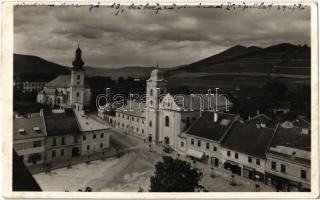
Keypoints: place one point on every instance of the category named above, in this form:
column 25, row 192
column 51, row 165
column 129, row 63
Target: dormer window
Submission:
column 37, row 129
column 22, row 131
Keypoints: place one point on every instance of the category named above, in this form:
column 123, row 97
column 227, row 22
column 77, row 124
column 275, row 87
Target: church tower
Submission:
column 156, row 86
column 77, row 82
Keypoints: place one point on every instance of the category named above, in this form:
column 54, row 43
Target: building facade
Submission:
column 68, row 90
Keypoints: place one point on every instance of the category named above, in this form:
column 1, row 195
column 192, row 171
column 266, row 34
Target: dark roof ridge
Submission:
column 273, row 134
column 236, row 119
column 262, row 114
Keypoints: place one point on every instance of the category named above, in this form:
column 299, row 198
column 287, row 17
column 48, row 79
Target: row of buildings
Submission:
column 257, row 148
column 57, row 134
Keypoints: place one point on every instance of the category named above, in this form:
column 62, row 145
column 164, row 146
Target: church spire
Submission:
column 78, row 62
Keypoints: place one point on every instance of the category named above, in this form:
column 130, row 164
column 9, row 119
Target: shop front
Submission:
column 233, row 167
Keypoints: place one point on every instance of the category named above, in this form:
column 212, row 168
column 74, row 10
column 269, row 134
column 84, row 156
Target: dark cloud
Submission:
column 173, row 37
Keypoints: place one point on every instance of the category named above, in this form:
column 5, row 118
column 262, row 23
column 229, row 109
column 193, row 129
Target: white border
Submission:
column 6, row 118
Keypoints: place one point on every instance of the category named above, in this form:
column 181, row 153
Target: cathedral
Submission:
column 70, row 90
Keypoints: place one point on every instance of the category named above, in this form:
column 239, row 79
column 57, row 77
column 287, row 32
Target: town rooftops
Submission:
column 291, row 137
column 206, row 127
column 261, row 120
column 88, row 124
column 249, row 139
column 30, row 127
column 133, row 108
column 60, row 122
column 289, row 143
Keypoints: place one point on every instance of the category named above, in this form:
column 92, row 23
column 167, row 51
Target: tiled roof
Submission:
column 136, row 108
column 247, row 138
column 291, row 137
column 88, row 124
column 261, row 118
column 199, row 101
column 61, row 81
column 205, row 127
column 28, row 125
column 61, row 123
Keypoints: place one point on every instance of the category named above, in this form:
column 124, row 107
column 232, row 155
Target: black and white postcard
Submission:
column 160, row 100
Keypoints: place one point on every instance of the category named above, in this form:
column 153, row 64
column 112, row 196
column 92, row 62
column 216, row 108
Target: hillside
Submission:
column 27, row 64
column 279, row 59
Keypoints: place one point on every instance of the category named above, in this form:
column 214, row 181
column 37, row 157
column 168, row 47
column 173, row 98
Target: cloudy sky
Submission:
column 142, row 38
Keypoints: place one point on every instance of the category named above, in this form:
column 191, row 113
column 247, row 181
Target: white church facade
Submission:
column 70, row 90
column 163, row 118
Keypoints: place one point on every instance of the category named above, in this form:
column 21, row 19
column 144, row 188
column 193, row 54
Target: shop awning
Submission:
column 194, row 153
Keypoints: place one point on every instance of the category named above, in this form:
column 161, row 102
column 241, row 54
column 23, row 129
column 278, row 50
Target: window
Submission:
column 150, row 123
column 142, row 131
column 36, row 143
column 123, row 116
column 208, row 146
column 62, row 152
column 95, row 136
column 54, row 142
column 258, row 161
column 167, row 121
column 283, row 168
column 101, row 136
column 78, row 94
column 137, row 119
column 192, row 141
column 78, row 77
column 214, row 148
column 182, row 144
column 53, row 154
column 122, row 125
column 199, row 143
column 151, row 92
column 62, row 141
column 249, row 159
column 303, row 174
column 273, row 165
column 88, row 147
column 128, row 117
column 132, row 118
column 84, row 138
column 236, row 155
column 228, row 153
column 75, row 139
column 137, row 129
column 101, row 145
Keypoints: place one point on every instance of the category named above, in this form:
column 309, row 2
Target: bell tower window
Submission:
column 77, row 94
column 167, row 121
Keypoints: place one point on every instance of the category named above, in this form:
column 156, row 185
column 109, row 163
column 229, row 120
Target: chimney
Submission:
column 215, row 117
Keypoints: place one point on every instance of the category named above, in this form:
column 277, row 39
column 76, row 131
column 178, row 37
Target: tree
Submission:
column 174, row 175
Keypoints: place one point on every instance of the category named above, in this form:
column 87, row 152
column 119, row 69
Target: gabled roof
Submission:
column 205, row 127
column 249, row 139
column 28, row 126
column 60, row 122
column 261, row 119
column 291, row 137
column 134, row 108
column 61, row 81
